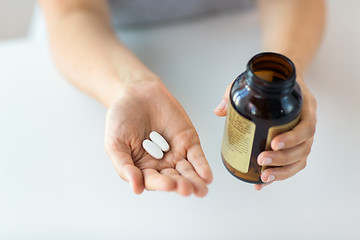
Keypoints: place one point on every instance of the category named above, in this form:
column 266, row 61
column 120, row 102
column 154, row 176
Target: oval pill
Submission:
column 152, row 149
column 160, row 141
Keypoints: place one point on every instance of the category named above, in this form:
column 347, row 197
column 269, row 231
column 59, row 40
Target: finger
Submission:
column 187, row 171
column 196, row 157
column 285, row 157
column 154, row 181
column 281, row 173
column 183, row 186
column 302, row 132
column 261, row 186
column 126, row 169
column 221, row 109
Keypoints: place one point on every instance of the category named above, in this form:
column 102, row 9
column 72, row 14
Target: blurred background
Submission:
column 15, row 18
column 56, row 181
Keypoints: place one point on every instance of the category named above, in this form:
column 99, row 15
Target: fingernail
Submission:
column 266, row 161
column 270, row 178
column 280, row 145
column 221, row 106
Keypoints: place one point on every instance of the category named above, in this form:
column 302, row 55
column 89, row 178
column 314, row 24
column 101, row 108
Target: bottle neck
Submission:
column 271, row 74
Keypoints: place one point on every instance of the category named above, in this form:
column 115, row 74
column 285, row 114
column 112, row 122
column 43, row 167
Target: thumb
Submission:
column 221, row 109
column 126, row 169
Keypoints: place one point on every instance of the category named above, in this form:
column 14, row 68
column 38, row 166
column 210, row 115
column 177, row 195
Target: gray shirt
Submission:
column 135, row 12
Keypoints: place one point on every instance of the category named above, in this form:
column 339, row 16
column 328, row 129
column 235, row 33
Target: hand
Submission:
column 147, row 107
column 290, row 149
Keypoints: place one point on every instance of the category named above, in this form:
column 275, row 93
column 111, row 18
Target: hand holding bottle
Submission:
column 289, row 150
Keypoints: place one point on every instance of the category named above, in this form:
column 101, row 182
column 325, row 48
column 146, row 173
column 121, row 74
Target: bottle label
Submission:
column 238, row 140
column 276, row 130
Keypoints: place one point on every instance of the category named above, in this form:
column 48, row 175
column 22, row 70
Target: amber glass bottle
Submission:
column 264, row 101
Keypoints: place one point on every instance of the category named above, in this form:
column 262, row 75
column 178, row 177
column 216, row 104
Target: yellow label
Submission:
column 276, row 130
column 238, row 139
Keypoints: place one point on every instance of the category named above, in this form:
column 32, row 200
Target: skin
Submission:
column 88, row 53
column 183, row 169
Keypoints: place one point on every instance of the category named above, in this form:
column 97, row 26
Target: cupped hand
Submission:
column 147, row 107
column 290, row 150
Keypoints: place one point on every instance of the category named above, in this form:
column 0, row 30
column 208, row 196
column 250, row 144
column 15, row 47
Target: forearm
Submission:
column 86, row 49
column 293, row 28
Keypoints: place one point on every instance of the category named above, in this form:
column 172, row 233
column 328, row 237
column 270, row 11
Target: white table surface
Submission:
column 56, row 181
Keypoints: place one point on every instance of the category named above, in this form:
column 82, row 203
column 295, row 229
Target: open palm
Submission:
column 150, row 107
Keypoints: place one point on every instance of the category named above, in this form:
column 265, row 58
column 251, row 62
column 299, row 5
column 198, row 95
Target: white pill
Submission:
column 152, row 149
column 160, row 141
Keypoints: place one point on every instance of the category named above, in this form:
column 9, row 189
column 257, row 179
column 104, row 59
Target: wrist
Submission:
column 122, row 84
